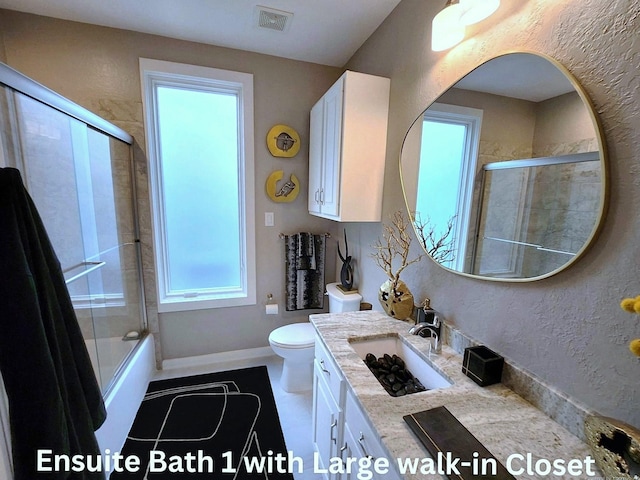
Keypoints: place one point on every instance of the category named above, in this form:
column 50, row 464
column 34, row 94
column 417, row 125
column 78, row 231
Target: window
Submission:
column 199, row 129
column 450, row 141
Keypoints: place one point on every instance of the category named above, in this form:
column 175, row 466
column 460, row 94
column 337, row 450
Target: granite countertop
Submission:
column 501, row 420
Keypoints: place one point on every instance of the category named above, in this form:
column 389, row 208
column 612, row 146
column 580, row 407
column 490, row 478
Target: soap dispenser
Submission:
column 426, row 314
column 429, row 324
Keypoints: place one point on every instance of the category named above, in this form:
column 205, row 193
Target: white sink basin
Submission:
column 415, row 362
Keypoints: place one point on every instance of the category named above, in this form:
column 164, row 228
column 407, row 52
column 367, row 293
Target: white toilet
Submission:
column 295, row 342
column 339, row 301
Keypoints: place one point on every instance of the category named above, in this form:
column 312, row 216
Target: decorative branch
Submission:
column 397, row 241
column 439, row 247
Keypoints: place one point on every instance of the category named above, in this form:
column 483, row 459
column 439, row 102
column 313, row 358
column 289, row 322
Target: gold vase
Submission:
column 615, row 446
column 397, row 302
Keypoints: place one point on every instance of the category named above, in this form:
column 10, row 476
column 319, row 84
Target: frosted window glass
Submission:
column 443, row 149
column 199, row 141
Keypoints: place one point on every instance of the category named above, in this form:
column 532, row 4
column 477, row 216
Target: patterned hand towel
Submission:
column 306, row 259
column 304, row 256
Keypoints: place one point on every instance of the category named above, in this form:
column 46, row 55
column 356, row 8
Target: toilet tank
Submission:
column 340, row 301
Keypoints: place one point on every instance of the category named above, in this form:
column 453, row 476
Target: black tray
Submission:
column 444, row 436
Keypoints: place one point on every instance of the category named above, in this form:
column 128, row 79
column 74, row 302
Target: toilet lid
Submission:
column 296, row 335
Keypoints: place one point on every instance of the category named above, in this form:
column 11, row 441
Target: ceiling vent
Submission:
column 273, row 19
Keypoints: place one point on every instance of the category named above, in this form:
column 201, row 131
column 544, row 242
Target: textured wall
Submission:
column 568, row 329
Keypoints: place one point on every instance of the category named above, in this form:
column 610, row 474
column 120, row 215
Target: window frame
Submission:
column 154, row 73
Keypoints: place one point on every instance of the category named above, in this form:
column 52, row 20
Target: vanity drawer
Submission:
column 329, row 370
column 368, row 441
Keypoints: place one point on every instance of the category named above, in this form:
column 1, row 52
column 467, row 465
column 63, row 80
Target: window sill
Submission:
column 188, row 304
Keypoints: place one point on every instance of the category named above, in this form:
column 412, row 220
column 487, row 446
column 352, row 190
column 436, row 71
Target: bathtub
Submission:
column 111, row 352
column 125, row 396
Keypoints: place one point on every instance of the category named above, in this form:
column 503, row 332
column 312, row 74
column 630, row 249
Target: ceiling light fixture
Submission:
column 446, row 29
column 474, row 11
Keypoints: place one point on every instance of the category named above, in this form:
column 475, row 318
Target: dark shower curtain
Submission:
column 55, row 402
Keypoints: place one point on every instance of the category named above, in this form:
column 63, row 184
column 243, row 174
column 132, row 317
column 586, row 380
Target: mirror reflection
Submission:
column 503, row 175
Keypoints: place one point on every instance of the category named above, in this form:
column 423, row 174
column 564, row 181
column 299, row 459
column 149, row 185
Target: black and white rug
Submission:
column 216, row 426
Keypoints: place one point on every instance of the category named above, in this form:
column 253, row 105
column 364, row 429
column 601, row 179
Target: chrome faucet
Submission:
column 428, row 325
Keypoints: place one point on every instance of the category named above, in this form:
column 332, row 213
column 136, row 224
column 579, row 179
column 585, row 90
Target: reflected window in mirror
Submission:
column 448, row 157
column 477, row 208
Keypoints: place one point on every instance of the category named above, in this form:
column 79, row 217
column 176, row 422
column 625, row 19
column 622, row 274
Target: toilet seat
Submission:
column 295, row 335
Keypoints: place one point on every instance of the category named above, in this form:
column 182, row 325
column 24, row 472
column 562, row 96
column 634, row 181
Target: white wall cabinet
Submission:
column 347, row 149
column 341, row 433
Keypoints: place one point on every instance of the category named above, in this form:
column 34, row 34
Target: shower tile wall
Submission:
column 45, row 151
column 565, row 219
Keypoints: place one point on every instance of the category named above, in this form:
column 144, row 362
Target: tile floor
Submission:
column 294, row 409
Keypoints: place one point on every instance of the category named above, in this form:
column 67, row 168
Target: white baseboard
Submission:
column 213, row 358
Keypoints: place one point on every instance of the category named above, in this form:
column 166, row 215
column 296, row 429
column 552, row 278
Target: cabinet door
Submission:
column 315, row 157
column 332, row 150
column 327, row 421
column 364, row 442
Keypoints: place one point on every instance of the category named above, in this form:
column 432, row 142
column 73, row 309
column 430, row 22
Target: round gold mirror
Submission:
column 504, row 175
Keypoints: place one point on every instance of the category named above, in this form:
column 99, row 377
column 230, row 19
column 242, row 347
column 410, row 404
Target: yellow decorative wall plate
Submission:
column 286, row 192
column 283, row 141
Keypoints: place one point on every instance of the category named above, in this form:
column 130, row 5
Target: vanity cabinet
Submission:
column 340, row 428
column 327, row 413
column 364, row 442
column 347, row 147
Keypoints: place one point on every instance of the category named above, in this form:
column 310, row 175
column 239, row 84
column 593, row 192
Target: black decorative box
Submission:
column 482, row 365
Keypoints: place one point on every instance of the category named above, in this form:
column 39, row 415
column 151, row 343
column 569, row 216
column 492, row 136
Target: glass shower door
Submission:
column 80, row 181
column 535, row 215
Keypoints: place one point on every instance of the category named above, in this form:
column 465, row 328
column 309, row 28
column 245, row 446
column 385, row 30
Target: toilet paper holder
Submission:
column 271, row 307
